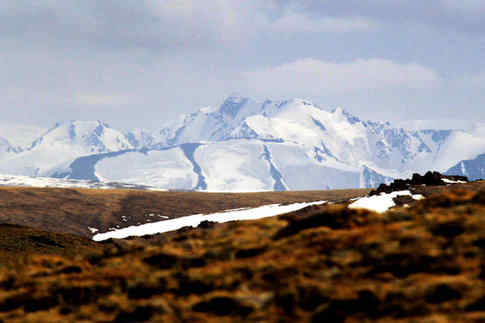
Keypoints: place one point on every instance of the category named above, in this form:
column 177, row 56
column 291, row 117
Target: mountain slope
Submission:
column 233, row 165
column 20, row 135
column 335, row 136
column 245, row 145
column 6, row 148
column 58, row 147
column 474, row 169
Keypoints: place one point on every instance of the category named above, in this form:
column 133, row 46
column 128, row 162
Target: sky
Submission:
column 141, row 63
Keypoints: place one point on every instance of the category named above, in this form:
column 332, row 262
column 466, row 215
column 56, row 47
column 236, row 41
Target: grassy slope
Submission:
column 74, row 210
column 325, row 263
column 18, row 243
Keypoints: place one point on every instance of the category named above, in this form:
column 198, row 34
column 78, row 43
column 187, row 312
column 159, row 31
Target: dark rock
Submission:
column 185, row 229
column 206, row 224
column 429, row 179
column 403, row 199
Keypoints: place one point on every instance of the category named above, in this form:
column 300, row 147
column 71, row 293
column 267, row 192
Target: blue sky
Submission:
column 137, row 63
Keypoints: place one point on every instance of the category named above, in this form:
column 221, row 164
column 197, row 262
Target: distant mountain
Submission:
column 245, row 145
column 62, row 144
column 7, row 148
column 20, row 135
column 473, row 168
column 274, row 145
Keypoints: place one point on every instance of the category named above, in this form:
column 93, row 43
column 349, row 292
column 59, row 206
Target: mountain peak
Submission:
column 6, row 147
column 339, row 111
column 232, row 105
column 93, row 136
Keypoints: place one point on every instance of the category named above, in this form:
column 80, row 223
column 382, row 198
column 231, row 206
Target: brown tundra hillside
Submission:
column 424, row 263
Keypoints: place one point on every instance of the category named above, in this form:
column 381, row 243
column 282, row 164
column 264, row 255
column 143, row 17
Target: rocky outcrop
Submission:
column 428, row 179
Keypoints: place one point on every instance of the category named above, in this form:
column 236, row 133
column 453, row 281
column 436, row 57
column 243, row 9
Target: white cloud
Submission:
column 311, row 76
column 467, row 7
column 98, row 99
column 294, row 22
column 219, row 20
column 476, row 81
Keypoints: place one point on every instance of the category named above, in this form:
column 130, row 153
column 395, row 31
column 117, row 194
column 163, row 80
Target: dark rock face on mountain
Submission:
column 428, row 179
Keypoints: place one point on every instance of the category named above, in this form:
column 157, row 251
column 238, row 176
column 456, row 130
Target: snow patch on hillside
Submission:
column 195, row 220
column 383, row 202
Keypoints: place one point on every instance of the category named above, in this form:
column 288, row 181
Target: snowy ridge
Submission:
column 335, row 135
column 59, row 146
column 6, row 147
column 246, row 145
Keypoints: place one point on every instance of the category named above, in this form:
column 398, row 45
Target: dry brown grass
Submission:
column 74, row 210
column 320, row 264
column 18, row 244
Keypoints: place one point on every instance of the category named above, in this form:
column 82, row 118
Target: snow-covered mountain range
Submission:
column 245, row 145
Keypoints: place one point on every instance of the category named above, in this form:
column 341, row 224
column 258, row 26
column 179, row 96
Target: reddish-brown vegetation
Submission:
column 320, row 264
column 74, row 210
